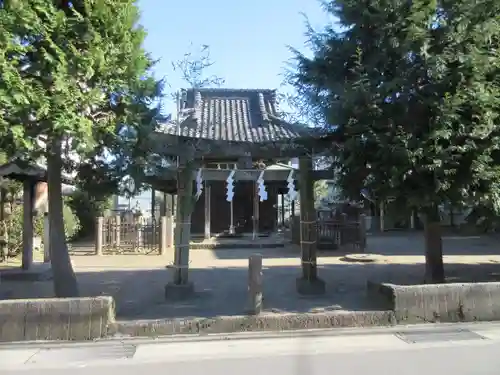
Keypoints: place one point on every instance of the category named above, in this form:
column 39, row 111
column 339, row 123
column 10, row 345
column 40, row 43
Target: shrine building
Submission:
column 240, row 131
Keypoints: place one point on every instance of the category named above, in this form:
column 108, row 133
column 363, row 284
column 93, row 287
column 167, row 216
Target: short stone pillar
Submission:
column 163, row 235
column 46, row 238
column 139, row 225
column 170, row 231
column 255, row 284
column 99, row 232
column 117, row 230
column 362, row 232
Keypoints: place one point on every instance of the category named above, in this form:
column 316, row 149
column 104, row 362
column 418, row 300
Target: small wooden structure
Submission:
column 225, row 130
column 34, row 179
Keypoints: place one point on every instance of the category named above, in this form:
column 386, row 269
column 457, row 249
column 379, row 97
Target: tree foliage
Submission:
column 87, row 207
column 73, row 75
column 411, row 93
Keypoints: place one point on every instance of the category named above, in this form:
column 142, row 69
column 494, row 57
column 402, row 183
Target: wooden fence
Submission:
column 119, row 235
column 336, row 232
column 125, row 235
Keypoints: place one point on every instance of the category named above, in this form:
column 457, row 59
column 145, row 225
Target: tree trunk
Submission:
column 434, row 266
column 65, row 283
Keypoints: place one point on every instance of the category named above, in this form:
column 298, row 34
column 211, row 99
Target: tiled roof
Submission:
column 233, row 115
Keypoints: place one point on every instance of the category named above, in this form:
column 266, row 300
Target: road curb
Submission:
column 260, row 323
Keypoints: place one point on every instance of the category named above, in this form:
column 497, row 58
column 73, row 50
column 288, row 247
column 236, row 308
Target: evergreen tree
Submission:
column 72, row 74
column 411, row 90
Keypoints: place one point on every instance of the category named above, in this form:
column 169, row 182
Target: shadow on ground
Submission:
column 410, row 243
column 139, row 294
column 401, row 243
column 289, row 251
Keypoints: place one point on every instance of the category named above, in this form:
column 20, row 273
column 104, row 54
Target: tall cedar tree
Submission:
column 411, row 90
column 71, row 74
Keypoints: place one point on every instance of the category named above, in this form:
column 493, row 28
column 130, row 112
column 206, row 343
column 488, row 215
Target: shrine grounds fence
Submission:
column 334, row 233
column 126, row 234
column 134, row 235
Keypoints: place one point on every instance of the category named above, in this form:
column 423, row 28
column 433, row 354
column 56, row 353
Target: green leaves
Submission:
column 412, row 95
column 73, row 71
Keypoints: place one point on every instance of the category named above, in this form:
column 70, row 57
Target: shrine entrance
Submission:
column 222, row 151
column 244, row 191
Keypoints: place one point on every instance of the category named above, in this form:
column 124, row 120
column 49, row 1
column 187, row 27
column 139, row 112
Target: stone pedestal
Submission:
column 310, row 287
column 176, row 292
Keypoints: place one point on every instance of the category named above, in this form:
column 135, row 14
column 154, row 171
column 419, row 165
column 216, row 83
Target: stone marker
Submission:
column 99, row 235
column 255, row 283
column 163, row 235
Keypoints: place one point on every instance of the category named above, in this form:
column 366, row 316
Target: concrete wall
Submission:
column 257, row 323
column 56, row 319
column 91, row 318
column 464, row 302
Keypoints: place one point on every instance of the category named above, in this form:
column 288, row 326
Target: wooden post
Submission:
column 28, row 195
column 412, row 219
column 185, row 202
column 282, row 210
column 170, row 231
column 3, row 226
column 46, row 237
column 231, row 216
column 255, row 217
column 180, row 287
column 173, row 206
column 153, row 203
column 309, row 283
column 362, row 232
column 382, row 219
column 138, row 225
column 118, row 226
column 99, row 235
column 208, row 192
column 163, row 205
column 163, row 235
column 255, row 283
column 343, row 229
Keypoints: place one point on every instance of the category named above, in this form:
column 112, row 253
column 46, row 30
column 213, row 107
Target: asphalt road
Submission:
column 439, row 349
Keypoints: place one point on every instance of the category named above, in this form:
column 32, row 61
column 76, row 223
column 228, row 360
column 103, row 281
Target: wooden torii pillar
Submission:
column 28, row 200
column 180, row 287
column 309, row 283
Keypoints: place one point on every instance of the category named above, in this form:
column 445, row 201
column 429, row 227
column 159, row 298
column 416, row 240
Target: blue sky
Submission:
column 248, row 39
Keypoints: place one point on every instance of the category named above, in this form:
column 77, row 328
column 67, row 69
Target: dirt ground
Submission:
column 220, row 276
